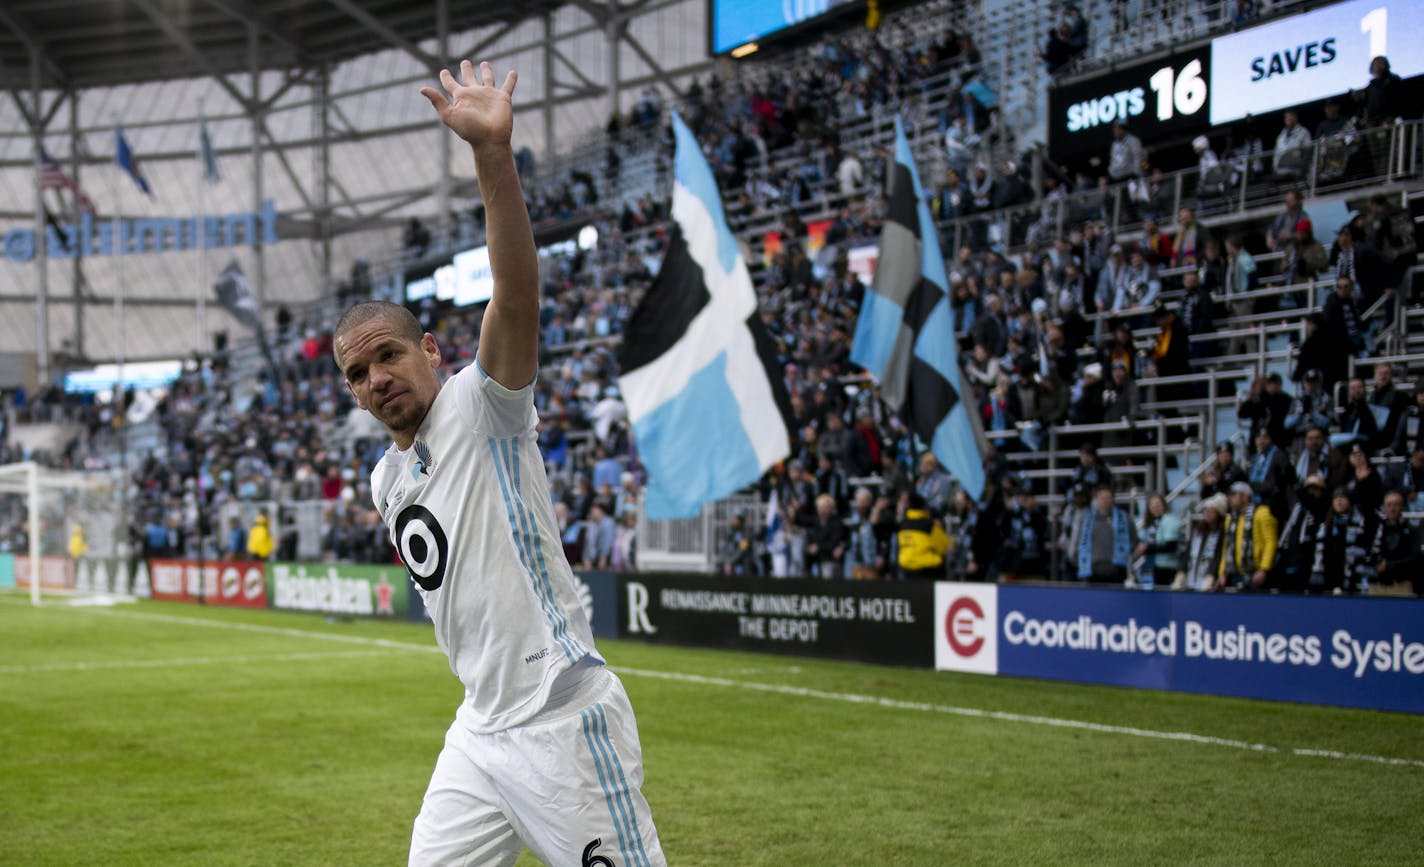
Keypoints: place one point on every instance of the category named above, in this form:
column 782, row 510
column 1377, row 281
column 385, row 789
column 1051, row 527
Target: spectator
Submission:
column 1383, row 97
column 1156, row 245
column 1190, row 240
column 599, row 535
column 1389, row 406
column 1409, row 431
column 1292, row 155
column 625, row 542
column 1270, row 475
column 1251, row 540
column 1361, row 263
column 1323, row 350
column 933, row 485
column 1106, row 541
column 1343, row 547
column 866, row 536
column 739, row 556
column 826, row 539
column 1112, row 279
column 1268, row 406
column 1311, row 408
column 1091, row 473
column 1240, row 273
column 235, row 547
column 1201, row 562
column 1296, row 558
column 1058, row 52
column 1141, row 286
column 961, row 526
column 1211, row 174
column 259, row 538
column 921, row 541
column 1120, row 406
column 1282, row 232
column 1160, row 532
column 1126, row 154
column 850, row 174
column 831, row 481
column 1357, row 420
column 1396, row 552
column 1198, row 313
column 1410, row 481
column 1363, row 482
column 1316, row 459
column 1024, row 530
column 1170, row 353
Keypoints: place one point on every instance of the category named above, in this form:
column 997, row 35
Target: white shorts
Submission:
column 569, row 788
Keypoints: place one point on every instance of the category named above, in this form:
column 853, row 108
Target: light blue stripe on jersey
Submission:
column 534, row 541
column 615, row 810
column 621, row 782
column 546, row 602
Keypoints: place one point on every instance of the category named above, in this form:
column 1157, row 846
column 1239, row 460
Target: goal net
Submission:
column 62, row 532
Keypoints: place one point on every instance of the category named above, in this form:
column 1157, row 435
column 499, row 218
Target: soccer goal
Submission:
column 76, row 547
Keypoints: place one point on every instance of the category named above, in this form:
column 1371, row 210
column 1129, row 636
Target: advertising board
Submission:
column 1350, row 652
column 237, row 583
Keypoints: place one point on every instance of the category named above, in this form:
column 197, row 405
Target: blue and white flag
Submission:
column 705, row 398
column 123, row 155
column 906, row 332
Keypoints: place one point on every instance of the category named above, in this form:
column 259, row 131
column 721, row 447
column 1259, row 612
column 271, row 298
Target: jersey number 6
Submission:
column 422, row 546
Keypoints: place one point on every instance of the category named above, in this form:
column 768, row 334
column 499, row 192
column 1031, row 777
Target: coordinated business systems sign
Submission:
column 1352, row 652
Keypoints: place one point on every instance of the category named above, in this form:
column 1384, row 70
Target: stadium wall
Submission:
column 1363, row 652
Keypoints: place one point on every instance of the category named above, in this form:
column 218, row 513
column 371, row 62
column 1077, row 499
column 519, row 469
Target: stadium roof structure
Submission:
column 307, row 108
column 94, row 43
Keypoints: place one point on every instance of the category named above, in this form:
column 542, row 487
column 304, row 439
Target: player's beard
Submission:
column 403, row 415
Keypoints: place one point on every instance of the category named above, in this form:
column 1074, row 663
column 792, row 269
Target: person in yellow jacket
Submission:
column 1251, row 539
column 77, row 546
column 259, row 539
column 922, row 542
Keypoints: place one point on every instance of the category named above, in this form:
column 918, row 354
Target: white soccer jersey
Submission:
column 469, row 512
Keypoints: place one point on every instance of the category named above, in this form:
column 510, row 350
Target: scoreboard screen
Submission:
column 734, row 23
column 1288, row 62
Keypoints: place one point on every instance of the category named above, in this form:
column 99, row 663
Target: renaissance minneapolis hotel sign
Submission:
column 93, row 236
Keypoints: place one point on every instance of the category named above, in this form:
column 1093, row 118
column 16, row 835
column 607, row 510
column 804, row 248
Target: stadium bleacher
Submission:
column 236, row 436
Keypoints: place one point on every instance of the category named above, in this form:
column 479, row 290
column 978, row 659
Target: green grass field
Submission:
column 167, row 734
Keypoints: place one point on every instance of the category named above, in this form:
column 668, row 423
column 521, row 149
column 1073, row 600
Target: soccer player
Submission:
column 544, row 749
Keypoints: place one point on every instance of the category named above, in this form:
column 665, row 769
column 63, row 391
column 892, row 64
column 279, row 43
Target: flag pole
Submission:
column 121, row 418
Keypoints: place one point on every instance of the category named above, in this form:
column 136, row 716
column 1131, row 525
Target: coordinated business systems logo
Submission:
column 966, row 627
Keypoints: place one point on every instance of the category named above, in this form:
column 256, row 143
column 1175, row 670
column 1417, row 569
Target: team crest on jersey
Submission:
column 424, row 463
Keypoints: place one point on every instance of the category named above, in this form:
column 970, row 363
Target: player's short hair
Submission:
column 406, row 326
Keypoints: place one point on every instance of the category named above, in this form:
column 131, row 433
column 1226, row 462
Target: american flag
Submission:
column 54, row 177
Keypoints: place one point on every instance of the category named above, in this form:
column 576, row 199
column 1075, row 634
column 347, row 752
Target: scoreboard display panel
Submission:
column 1297, row 60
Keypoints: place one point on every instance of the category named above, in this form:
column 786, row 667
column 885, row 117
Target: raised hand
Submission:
column 476, row 111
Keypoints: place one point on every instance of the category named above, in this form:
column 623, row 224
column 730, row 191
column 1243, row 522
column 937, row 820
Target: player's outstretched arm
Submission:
column 483, row 115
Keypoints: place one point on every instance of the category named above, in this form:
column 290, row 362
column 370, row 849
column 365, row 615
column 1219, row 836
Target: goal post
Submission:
column 54, row 523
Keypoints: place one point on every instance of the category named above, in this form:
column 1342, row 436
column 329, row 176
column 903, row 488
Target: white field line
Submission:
column 106, row 664
column 803, row 692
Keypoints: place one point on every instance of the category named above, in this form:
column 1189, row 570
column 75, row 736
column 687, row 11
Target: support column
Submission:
column 548, row 89
column 323, row 166
column 442, row 183
column 41, row 230
column 77, row 278
column 255, row 112
column 612, row 36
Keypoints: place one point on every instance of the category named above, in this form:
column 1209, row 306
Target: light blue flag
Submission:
column 905, row 335
column 706, row 401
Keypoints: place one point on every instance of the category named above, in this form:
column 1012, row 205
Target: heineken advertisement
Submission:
column 339, row 588
column 96, row 236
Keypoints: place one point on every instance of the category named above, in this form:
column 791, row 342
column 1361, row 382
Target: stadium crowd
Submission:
column 1311, row 502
